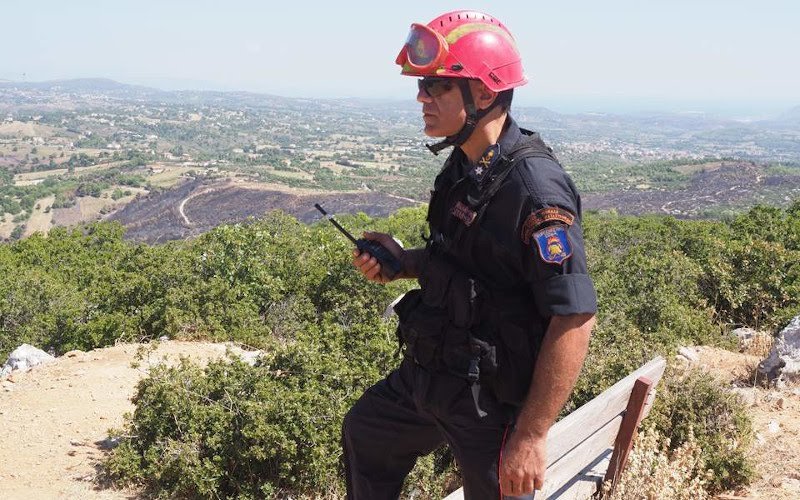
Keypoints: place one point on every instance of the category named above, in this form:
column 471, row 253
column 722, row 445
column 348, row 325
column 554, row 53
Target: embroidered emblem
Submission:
column 463, row 213
column 484, row 164
column 486, row 159
column 543, row 216
column 553, row 243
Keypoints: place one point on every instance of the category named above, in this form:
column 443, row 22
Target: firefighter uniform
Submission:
column 505, row 254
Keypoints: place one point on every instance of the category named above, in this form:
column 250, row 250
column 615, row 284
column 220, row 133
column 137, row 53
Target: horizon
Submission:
column 578, row 105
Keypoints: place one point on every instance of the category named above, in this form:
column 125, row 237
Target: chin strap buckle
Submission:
column 435, row 148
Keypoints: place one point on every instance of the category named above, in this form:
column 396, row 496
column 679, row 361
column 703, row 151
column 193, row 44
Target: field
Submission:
column 6, row 225
column 167, row 176
column 30, row 178
column 41, row 218
column 27, row 129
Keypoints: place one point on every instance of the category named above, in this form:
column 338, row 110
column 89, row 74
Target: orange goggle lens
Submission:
column 424, row 48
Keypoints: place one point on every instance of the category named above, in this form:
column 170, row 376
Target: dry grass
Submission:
column 30, row 177
column 760, row 345
column 90, row 207
column 170, row 176
column 728, row 367
column 6, row 226
column 26, row 178
column 776, row 420
column 291, row 174
column 31, row 182
column 125, row 199
column 654, row 473
column 41, row 218
column 29, row 129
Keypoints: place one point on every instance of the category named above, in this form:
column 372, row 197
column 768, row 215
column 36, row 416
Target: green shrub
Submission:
column 237, row 431
column 229, row 430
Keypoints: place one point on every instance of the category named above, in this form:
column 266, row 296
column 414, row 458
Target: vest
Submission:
column 459, row 322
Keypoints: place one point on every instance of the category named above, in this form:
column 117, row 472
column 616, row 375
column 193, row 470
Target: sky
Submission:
column 677, row 55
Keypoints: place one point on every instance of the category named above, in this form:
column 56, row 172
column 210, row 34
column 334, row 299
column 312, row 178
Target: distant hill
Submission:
column 114, row 89
column 80, row 85
column 792, row 116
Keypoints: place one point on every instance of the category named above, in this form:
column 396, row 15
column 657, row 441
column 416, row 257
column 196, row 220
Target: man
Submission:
column 497, row 333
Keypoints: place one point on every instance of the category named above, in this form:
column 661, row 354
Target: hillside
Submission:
column 65, row 408
column 199, row 206
column 76, row 151
column 712, row 190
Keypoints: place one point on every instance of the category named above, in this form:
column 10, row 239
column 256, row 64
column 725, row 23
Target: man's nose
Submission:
column 422, row 96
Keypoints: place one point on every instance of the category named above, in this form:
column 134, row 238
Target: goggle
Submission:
column 435, row 86
column 424, row 50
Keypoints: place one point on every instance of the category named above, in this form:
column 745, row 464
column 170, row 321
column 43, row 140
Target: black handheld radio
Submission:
column 390, row 266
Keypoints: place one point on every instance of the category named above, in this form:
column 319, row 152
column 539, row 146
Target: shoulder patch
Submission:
column 543, row 216
column 553, row 244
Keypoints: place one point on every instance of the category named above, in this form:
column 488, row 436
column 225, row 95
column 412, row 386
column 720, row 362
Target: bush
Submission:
column 229, row 430
column 692, row 405
column 278, row 284
column 238, row 431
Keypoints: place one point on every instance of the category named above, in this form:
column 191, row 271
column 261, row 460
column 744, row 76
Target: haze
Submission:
column 725, row 56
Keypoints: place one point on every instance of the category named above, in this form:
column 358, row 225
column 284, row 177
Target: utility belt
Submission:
column 455, row 325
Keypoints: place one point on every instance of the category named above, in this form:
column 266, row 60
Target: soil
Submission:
column 734, row 185
column 55, row 419
column 198, row 206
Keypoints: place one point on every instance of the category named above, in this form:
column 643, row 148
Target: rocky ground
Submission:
column 55, row 419
column 776, row 423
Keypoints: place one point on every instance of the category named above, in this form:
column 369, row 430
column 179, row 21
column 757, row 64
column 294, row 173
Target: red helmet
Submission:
column 464, row 44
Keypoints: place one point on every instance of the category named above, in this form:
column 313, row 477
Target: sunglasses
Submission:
column 435, row 86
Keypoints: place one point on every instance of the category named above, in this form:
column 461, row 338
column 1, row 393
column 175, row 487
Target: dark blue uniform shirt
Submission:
column 529, row 242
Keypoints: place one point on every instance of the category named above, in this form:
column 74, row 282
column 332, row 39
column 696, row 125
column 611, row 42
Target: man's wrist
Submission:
column 531, row 433
column 410, row 262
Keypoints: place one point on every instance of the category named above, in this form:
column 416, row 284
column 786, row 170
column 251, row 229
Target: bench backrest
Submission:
column 581, row 446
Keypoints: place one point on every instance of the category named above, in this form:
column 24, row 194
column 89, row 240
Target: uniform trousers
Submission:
column 411, row 413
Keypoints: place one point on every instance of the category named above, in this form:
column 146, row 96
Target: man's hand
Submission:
column 369, row 265
column 524, row 461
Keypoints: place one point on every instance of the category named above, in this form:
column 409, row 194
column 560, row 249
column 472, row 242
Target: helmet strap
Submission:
column 473, row 116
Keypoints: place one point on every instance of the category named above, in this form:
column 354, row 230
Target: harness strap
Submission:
column 478, row 198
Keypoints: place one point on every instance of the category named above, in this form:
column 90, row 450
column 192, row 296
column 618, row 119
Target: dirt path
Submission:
column 54, row 418
column 195, row 194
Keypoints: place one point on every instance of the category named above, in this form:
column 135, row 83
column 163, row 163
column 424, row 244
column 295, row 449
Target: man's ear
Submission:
column 484, row 96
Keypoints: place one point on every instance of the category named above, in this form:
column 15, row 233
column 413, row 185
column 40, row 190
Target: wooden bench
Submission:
column 592, row 443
